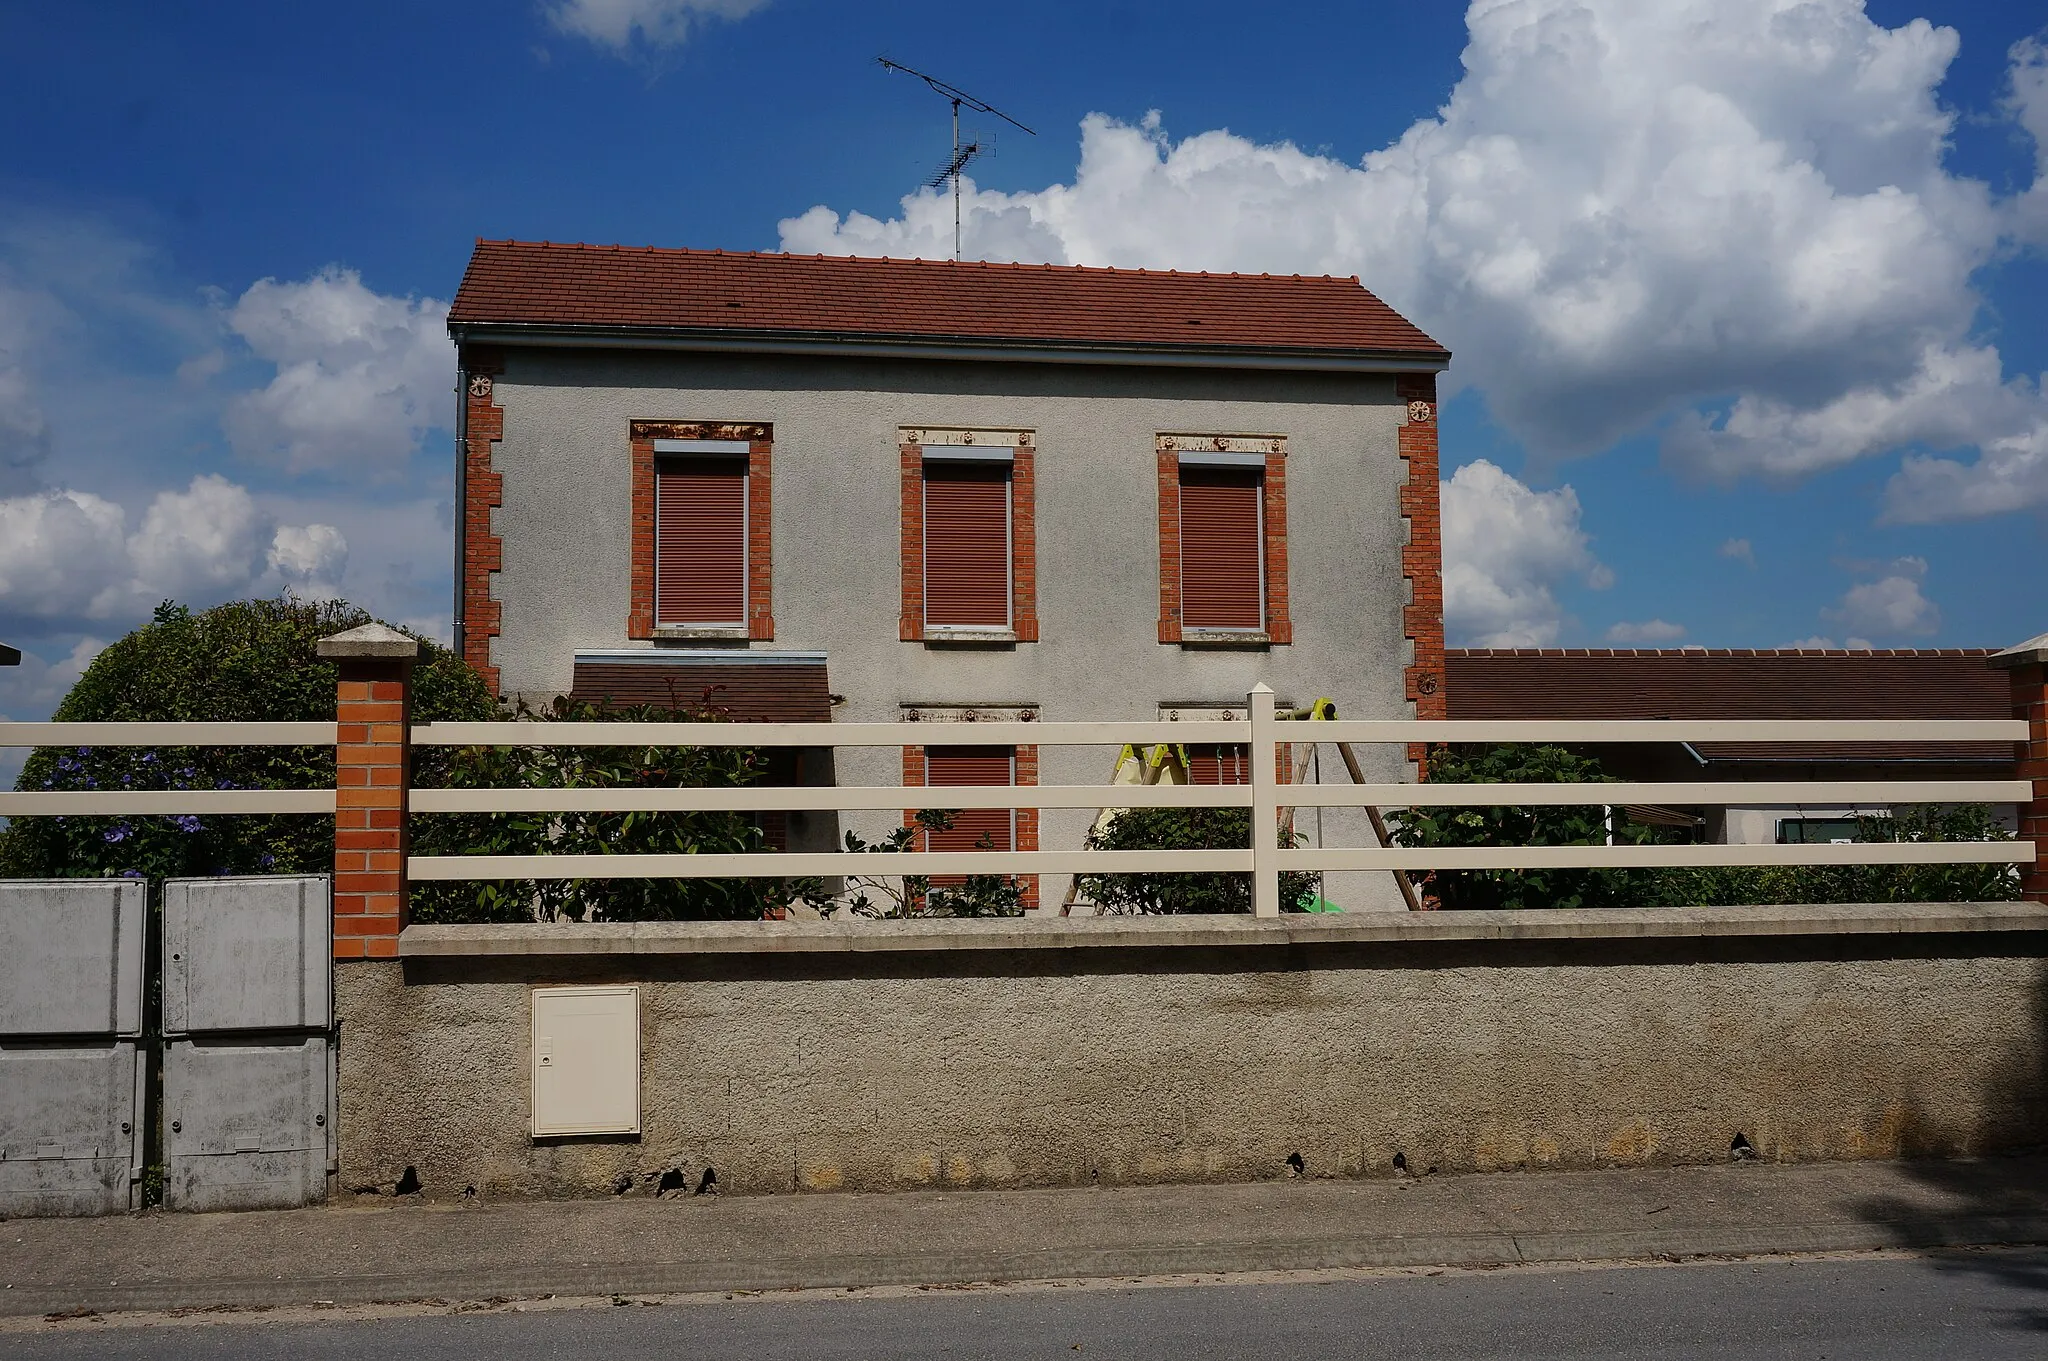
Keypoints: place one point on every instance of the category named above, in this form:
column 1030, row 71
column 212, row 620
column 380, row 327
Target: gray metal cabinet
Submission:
column 70, row 1137
column 247, row 955
column 247, row 1125
column 71, row 956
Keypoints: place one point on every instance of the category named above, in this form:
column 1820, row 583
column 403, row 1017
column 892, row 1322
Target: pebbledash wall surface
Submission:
column 880, row 1056
column 565, row 528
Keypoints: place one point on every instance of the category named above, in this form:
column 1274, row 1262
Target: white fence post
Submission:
column 1265, row 804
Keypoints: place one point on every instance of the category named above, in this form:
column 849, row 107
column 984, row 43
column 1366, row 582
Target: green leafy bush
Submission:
column 1183, row 829
column 1716, row 886
column 247, row 661
column 558, row 833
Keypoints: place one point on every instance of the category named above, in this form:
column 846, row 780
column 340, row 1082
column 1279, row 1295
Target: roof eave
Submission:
column 877, row 346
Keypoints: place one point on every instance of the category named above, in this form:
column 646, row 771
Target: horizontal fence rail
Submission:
column 1265, row 795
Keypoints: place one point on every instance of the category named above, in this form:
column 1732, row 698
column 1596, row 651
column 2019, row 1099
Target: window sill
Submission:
column 734, row 632
column 1225, row 638
column 937, row 637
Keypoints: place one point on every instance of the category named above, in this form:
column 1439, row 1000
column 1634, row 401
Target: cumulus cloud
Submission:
column 623, row 24
column 360, row 376
column 1652, row 631
column 1892, row 606
column 70, row 555
column 1507, row 549
column 1622, row 210
column 1739, row 549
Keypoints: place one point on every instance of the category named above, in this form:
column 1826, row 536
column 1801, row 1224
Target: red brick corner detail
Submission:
column 1422, row 559
column 910, row 555
column 1169, row 546
column 760, row 438
column 1279, row 627
column 483, row 552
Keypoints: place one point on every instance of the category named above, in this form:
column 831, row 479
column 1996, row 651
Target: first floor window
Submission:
column 1222, row 549
column 966, row 544
column 1219, row 763
column 700, row 545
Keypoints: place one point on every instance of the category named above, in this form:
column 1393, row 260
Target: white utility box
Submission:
column 586, row 1060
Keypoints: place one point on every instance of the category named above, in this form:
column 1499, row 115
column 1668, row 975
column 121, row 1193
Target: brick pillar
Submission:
column 373, row 711
column 2026, row 666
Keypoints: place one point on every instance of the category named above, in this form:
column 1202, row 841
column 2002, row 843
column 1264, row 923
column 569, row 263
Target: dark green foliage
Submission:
column 1183, row 829
column 1578, row 825
column 248, row 661
column 1582, row 825
column 913, row 895
column 622, row 767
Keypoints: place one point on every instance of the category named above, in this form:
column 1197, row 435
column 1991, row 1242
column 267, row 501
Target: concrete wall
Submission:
column 565, row 522
column 882, row 1056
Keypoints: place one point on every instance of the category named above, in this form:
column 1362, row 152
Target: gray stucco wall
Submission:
column 565, row 526
column 817, row 1068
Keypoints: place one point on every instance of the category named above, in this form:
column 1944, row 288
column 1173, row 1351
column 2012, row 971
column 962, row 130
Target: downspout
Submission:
column 461, row 500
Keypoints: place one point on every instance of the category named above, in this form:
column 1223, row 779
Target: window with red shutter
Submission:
column 966, row 545
column 1219, row 763
column 972, row 766
column 700, row 541
column 1222, row 559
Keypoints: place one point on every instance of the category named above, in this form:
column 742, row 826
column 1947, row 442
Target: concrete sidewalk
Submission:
column 393, row 1250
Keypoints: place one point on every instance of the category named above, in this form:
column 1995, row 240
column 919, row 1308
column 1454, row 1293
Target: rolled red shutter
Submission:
column 1221, row 584
column 967, row 545
column 971, row 766
column 1219, row 763
column 700, row 553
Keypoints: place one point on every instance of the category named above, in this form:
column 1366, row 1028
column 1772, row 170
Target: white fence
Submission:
column 1265, row 795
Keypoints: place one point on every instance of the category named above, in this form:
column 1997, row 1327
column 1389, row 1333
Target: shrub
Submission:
column 247, row 661
column 559, row 833
column 1183, row 829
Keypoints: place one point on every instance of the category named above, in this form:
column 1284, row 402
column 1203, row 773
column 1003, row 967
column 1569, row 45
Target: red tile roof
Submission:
column 623, row 288
column 1594, row 683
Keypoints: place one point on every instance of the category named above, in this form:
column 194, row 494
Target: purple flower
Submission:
column 266, row 861
column 186, row 822
column 149, row 758
column 118, row 832
column 131, row 874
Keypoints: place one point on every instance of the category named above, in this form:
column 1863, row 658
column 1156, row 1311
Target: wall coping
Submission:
column 1095, row 933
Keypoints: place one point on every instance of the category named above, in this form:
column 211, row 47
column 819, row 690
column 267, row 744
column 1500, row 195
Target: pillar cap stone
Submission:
column 2032, row 652
column 370, row 640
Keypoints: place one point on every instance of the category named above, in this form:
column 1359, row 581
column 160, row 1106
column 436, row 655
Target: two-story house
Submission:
column 816, row 488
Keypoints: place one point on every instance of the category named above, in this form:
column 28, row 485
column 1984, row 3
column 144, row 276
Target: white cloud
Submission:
column 1739, row 549
column 360, row 376
column 1890, row 607
column 2028, row 106
column 1649, row 631
column 69, row 555
column 621, row 24
column 30, row 691
column 1506, row 550
column 1623, row 209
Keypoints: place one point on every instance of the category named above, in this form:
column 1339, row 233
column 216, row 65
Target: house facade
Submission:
column 811, row 488
column 1578, row 684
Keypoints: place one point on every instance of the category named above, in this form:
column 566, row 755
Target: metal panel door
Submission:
column 70, row 1132
column 71, row 956
column 247, row 955
column 247, row 1126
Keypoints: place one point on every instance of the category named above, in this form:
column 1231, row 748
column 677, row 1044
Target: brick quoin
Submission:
column 760, row 437
column 911, row 555
column 483, row 553
column 1279, row 627
column 1422, row 557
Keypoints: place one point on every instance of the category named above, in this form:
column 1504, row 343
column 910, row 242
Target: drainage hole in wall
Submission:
column 409, row 1184
column 1296, row 1167
column 707, row 1185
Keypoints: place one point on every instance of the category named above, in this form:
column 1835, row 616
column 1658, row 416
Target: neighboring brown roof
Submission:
column 782, row 690
column 1593, row 683
column 624, row 288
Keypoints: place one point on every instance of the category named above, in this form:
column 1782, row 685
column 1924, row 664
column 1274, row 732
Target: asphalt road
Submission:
column 1966, row 1305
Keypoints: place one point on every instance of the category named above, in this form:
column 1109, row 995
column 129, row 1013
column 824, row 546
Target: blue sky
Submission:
column 1747, row 294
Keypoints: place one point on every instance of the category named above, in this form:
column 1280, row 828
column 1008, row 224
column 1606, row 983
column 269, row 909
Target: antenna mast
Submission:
column 961, row 155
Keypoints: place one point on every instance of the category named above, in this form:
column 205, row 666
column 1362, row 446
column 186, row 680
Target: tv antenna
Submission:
column 961, row 154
